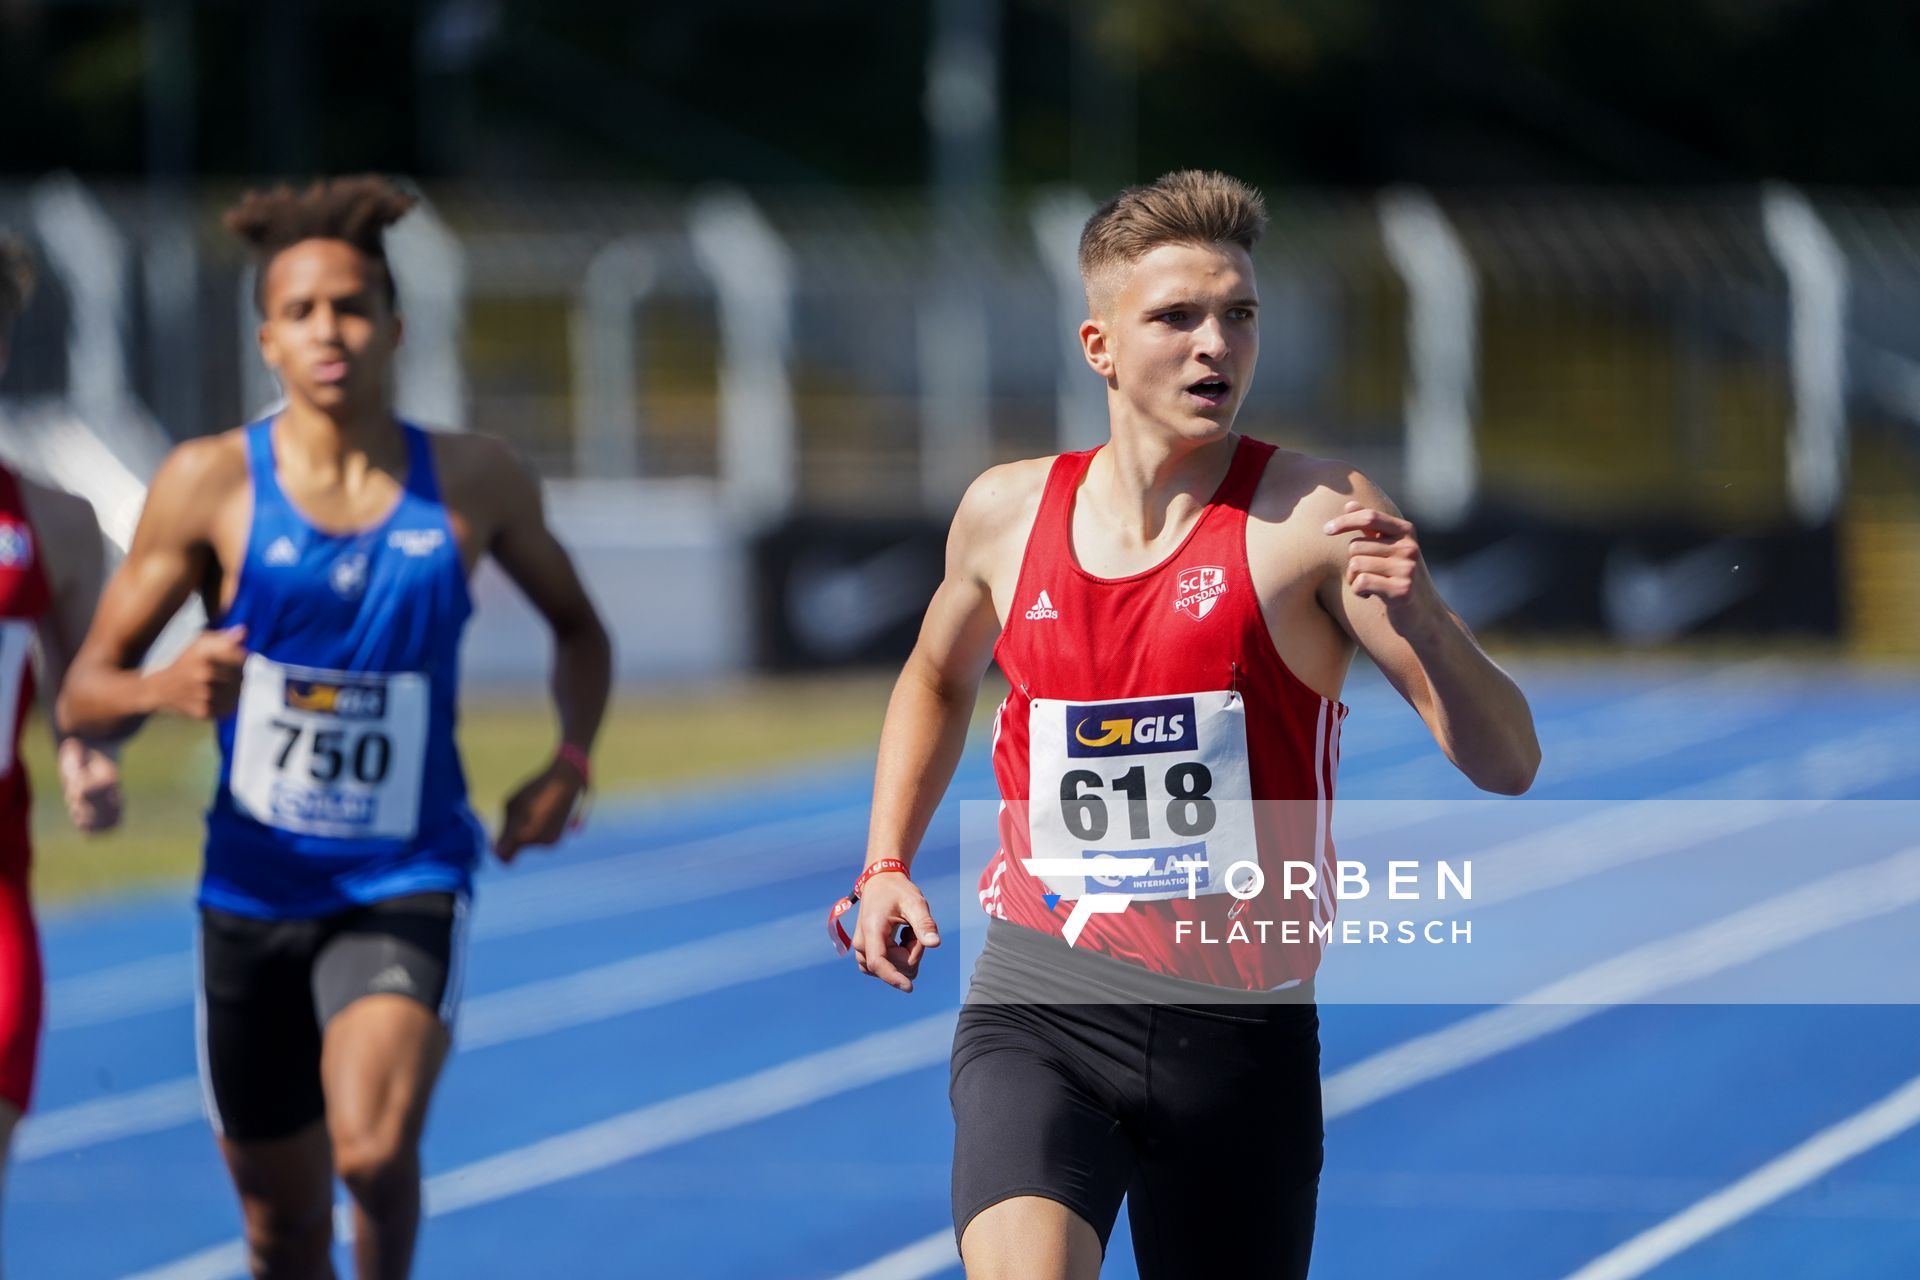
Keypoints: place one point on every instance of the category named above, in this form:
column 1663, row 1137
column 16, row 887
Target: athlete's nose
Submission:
column 1210, row 339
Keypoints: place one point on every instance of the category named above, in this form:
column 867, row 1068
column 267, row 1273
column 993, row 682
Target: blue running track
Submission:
column 663, row 1071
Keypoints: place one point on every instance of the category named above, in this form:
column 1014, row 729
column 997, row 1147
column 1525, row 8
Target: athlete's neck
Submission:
column 1143, row 485
column 331, row 450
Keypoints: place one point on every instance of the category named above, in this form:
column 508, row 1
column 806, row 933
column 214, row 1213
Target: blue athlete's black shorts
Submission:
column 1204, row 1117
column 268, row 988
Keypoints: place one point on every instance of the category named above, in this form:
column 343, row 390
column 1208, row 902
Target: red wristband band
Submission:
column 837, row 932
column 577, row 759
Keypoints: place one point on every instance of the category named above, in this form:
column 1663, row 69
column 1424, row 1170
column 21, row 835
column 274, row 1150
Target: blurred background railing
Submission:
column 1603, row 408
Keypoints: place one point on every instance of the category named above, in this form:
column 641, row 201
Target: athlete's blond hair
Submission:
column 1187, row 206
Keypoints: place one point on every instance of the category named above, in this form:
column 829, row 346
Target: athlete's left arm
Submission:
column 533, row 558
column 1378, row 589
column 73, row 558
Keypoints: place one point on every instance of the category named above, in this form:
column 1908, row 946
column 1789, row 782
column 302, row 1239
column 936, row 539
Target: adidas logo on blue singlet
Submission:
column 283, row 552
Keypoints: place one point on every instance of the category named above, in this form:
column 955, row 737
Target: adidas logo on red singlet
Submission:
column 1042, row 608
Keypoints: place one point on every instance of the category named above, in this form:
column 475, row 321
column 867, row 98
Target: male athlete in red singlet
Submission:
column 1175, row 612
column 49, row 576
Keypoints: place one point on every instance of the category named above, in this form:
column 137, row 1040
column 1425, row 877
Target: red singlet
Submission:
column 24, row 598
column 1152, row 719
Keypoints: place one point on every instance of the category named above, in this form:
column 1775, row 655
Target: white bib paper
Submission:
column 1160, row 778
column 16, row 642
column 330, row 753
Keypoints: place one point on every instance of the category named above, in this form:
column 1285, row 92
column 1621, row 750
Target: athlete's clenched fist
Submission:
column 881, row 947
column 1384, row 560
column 204, row 681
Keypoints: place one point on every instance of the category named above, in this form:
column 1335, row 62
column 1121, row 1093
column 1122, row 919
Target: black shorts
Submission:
column 269, row 987
column 1204, row 1117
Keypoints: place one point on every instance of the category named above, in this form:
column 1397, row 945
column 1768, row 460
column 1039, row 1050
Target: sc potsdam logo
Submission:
column 1198, row 589
column 16, row 545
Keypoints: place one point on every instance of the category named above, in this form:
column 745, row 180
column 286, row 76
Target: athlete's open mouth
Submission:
column 1212, row 390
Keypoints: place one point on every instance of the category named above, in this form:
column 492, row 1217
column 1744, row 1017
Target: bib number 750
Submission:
column 333, row 752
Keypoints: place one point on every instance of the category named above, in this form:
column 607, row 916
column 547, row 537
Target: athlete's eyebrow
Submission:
column 1188, row 304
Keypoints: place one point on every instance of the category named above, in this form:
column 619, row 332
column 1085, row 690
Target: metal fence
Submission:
column 1738, row 359
column 1600, row 348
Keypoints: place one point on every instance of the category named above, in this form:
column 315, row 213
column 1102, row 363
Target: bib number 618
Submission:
column 1190, row 810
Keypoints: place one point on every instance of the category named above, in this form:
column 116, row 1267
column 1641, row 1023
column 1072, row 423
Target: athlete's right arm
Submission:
column 927, row 717
column 106, row 695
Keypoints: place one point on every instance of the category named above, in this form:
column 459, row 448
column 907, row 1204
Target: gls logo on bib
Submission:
column 359, row 701
column 1130, row 728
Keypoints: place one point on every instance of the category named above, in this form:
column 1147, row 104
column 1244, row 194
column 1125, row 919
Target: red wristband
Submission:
column 836, row 931
column 577, row 759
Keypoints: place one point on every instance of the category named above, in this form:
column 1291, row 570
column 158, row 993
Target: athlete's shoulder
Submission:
column 1002, row 498
column 1299, row 488
column 995, row 514
column 470, row 450
column 471, row 463
column 1001, row 492
column 193, row 488
column 204, row 467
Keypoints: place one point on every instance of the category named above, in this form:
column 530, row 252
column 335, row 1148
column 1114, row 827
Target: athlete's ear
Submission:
column 1093, row 345
column 268, row 351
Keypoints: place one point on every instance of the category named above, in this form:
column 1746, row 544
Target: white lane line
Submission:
column 1658, row 722
column 512, row 903
column 1833, row 902
column 1793, row 917
column 1585, row 846
column 105, row 995
column 926, row 1257
column 670, row 875
column 119, row 1115
column 1885, row 1120
column 680, row 972
column 626, row 986
column 690, row 1116
column 1619, row 834
column 509, row 905
column 1674, row 704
